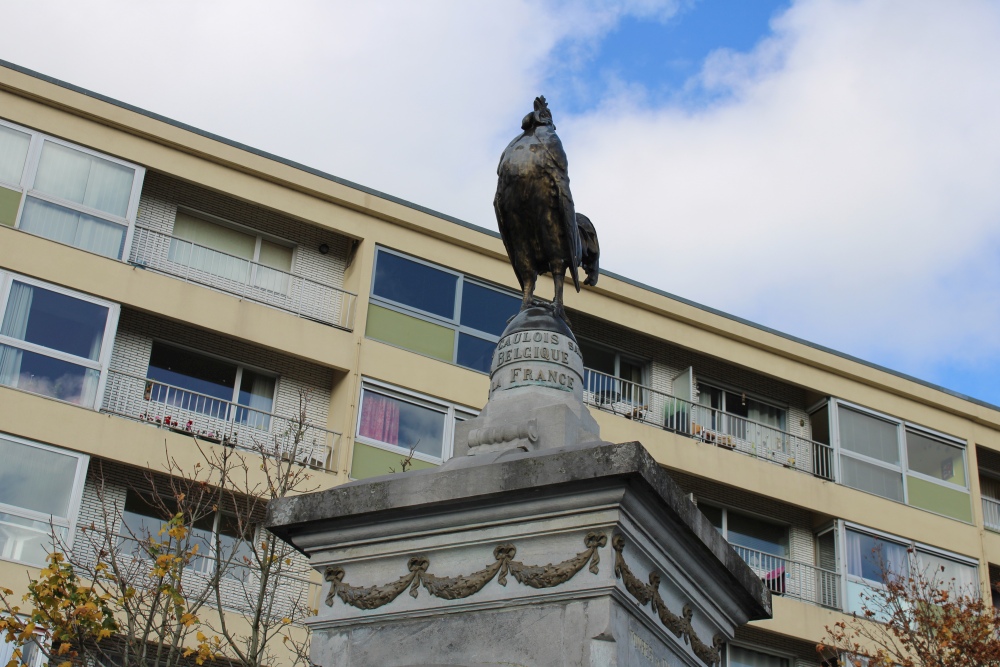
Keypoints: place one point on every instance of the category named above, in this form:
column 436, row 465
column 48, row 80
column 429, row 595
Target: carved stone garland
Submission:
column 454, row 588
column 650, row 593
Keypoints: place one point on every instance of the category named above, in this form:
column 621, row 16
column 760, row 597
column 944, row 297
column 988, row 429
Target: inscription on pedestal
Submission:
column 537, row 358
column 642, row 653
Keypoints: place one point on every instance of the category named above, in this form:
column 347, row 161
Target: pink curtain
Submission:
column 380, row 418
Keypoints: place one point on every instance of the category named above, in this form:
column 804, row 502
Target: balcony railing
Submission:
column 218, row 421
column 248, row 280
column 991, row 514
column 239, row 584
column 660, row 409
column 793, row 579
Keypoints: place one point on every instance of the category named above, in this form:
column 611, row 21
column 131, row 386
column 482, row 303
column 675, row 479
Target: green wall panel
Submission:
column 936, row 498
column 411, row 333
column 9, row 201
column 371, row 462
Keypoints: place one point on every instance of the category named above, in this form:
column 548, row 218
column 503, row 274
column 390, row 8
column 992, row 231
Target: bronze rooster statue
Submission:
column 535, row 212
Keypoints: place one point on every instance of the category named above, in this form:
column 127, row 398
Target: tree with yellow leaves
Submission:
column 165, row 595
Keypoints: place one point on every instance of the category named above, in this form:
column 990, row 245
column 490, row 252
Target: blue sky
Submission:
column 660, row 55
column 827, row 168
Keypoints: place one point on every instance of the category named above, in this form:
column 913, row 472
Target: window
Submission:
column 54, row 341
column 437, row 312
column 38, row 484
column 903, row 462
column 208, row 385
column 230, row 253
column 748, row 531
column 66, row 193
column 31, row 654
column 397, row 422
column 869, row 553
column 142, row 519
column 762, row 544
column 603, row 367
column 741, row 405
column 738, row 656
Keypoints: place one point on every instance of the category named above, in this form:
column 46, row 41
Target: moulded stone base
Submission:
column 586, row 633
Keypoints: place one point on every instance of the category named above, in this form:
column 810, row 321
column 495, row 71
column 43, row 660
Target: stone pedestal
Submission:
column 584, row 555
column 536, row 544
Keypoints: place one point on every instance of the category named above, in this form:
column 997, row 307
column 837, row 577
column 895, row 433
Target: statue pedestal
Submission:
column 583, row 555
column 536, row 544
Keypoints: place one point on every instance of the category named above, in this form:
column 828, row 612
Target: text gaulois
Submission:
column 533, row 345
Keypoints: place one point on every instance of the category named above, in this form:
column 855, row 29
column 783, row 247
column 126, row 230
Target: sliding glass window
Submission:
column 873, row 557
column 395, row 424
column 67, row 193
column 40, row 489
column 904, row 462
column 54, row 341
column 437, row 312
column 197, row 383
column 236, row 255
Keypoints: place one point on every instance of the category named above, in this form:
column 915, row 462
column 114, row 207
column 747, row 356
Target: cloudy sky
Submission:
column 829, row 168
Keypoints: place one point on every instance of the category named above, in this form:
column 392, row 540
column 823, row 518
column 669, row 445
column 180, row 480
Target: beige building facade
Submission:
column 208, row 284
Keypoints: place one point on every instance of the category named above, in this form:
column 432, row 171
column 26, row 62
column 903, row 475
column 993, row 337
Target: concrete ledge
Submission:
column 175, row 299
column 521, row 479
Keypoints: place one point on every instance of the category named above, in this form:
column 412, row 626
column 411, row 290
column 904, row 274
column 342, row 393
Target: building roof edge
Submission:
column 468, row 225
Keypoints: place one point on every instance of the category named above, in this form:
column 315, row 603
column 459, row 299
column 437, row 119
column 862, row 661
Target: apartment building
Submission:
column 158, row 282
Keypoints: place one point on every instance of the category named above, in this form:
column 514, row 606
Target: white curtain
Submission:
column 868, row 435
column 15, row 325
column 13, row 150
column 85, row 179
column 88, row 391
column 76, row 229
column 743, row 657
column 261, row 399
column 946, row 573
column 866, row 554
column 212, row 248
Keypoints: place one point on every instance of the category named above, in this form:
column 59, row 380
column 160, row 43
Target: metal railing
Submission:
column 660, row 409
column 237, row 580
column 793, row 579
column 248, row 280
column 216, row 420
column 991, row 514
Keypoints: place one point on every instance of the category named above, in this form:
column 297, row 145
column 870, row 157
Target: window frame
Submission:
column 448, row 409
column 121, row 533
column 620, row 356
column 454, row 322
column 773, row 653
column 240, row 367
column 913, row 548
column 29, row 173
column 731, row 389
column 75, row 498
column 757, row 517
column 7, row 279
column 259, row 238
column 902, row 428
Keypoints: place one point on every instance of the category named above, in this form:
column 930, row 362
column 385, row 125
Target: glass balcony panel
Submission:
column 64, row 225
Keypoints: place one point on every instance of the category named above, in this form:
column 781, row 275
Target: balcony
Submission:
column 722, row 429
column 991, row 514
column 217, row 420
column 792, row 579
column 240, row 277
column 294, row 594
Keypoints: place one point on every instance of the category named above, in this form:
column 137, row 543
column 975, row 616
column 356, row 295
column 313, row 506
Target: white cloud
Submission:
column 843, row 188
